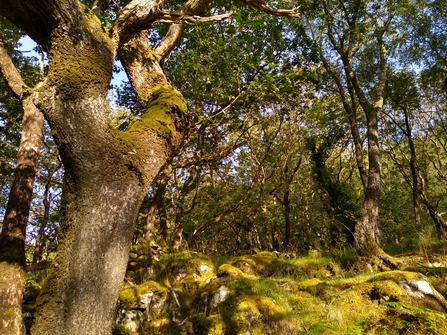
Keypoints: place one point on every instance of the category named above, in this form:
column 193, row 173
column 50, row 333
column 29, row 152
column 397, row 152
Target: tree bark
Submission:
column 367, row 231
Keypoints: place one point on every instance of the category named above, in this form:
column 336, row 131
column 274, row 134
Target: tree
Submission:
column 349, row 34
column 107, row 171
column 13, row 233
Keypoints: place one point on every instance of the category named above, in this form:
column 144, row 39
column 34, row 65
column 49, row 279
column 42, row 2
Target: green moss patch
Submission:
column 132, row 295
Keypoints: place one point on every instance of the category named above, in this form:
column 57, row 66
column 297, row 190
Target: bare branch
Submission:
column 272, row 11
column 167, row 16
column 99, row 7
column 172, row 37
column 136, row 16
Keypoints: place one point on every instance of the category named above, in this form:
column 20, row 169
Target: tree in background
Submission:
column 347, row 35
column 13, row 232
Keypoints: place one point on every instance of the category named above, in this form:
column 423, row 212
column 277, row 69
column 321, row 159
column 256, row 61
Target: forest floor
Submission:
column 261, row 292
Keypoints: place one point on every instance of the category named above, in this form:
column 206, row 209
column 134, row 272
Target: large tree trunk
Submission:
column 107, row 172
column 103, row 190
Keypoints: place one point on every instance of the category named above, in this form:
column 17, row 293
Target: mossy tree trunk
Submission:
column 367, row 233
column 13, row 233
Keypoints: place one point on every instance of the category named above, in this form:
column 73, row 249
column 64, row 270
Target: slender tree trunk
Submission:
column 268, row 241
column 358, row 147
column 163, row 227
column 180, row 213
column 213, row 240
column 275, row 240
column 287, row 209
column 414, row 173
column 367, row 232
column 178, row 236
column 440, row 224
column 41, row 238
column 13, row 234
column 156, row 205
column 256, row 237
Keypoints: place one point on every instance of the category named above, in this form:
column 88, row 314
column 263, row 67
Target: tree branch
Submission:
column 100, row 6
column 167, row 16
column 10, row 73
column 136, row 16
column 259, row 5
column 172, row 37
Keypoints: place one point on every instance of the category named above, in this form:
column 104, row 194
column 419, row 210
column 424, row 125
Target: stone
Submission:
column 219, row 297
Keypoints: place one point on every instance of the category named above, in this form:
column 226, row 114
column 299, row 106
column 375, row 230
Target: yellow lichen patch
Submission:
column 159, row 326
column 269, row 307
column 249, row 307
column 247, row 315
column 183, row 270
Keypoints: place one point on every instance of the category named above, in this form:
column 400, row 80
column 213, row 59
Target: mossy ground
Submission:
column 272, row 294
column 267, row 293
